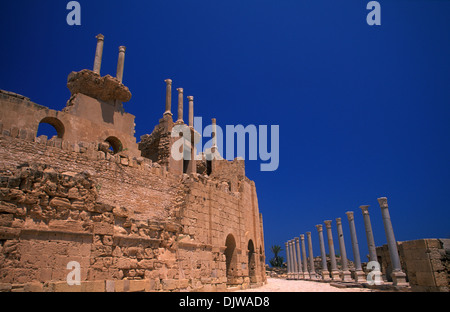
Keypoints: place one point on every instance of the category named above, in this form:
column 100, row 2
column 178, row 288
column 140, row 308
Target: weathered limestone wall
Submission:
column 20, row 118
column 130, row 224
column 426, row 263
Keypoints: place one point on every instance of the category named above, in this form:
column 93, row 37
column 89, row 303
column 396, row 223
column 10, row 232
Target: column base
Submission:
column 306, row 275
column 335, row 275
column 399, row 279
column 312, row 276
column 346, row 276
column 360, row 277
column 326, row 276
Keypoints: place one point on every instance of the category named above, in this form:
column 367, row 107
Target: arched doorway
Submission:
column 114, row 144
column 51, row 127
column 251, row 262
column 231, row 260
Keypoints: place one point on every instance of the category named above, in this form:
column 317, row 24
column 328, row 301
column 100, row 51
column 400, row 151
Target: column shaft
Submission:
column 369, row 233
column 334, row 270
column 180, row 105
column 98, row 53
column 359, row 274
column 398, row 277
column 288, row 261
column 168, row 97
column 325, row 272
column 299, row 257
column 120, row 63
column 306, row 274
column 312, row 270
column 346, row 276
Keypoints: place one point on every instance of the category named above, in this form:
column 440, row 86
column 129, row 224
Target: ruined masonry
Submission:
column 134, row 218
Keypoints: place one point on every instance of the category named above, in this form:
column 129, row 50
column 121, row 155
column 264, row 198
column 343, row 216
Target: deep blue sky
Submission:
column 363, row 110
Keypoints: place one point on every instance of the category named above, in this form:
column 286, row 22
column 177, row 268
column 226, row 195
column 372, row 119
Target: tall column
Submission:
column 334, row 269
column 180, row 105
column 346, row 275
column 214, row 134
column 291, row 259
column 312, row 270
column 359, row 274
column 306, row 275
column 288, row 261
column 299, row 257
column 369, row 233
column 325, row 272
column 294, row 257
column 191, row 111
column 398, row 277
column 120, row 63
column 99, row 53
column 168, row 97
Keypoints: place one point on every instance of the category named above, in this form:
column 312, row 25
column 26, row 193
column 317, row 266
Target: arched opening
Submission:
column 231, row 260
column 251, row 262
column 51, row 127
column 114, row 144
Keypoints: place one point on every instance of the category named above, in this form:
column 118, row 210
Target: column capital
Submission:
column 383, row 202
column 180, row 90
column 190, row 98
column 213, row 121
column 302, row 236
column 100, row 37
column 122, row 48
column 296, row 239
column 168, row 81
column 338, row 221
column 350, row 215
column 327, row 224
column 308, row 233
column 364, row 209
column 319, row 227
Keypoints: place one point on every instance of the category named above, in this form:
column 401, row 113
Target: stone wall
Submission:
column 426, row 263
column 131, row 224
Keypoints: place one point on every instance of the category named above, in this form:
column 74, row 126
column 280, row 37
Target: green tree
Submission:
column 276, row 261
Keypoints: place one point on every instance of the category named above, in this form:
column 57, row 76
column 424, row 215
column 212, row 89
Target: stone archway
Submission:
column 56, row 124
column 251, row 262
column 231, row 260
column 114, row 144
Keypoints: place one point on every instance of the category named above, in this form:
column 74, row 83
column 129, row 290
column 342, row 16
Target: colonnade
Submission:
column 297, row 264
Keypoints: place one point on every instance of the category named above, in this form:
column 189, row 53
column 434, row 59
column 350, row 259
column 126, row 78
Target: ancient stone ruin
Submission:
column 130, row 215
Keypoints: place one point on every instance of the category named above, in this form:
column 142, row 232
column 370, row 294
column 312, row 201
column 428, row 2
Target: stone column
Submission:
column 312, row 269
column 168, row 97
column 299, row 257
column 214, row 135
column 306, row 275
column 334, row 269
column 346, row 275
column 120, row 63
column 180, row 105
column 294, row 257
column 288, row 261
column 360, row 277
column 191, row 110
column 99, row 53
column 369, row 233
column 398, row 277
column 325, row 272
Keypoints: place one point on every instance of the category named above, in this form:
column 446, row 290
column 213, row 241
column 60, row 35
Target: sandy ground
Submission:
column 283, row 285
